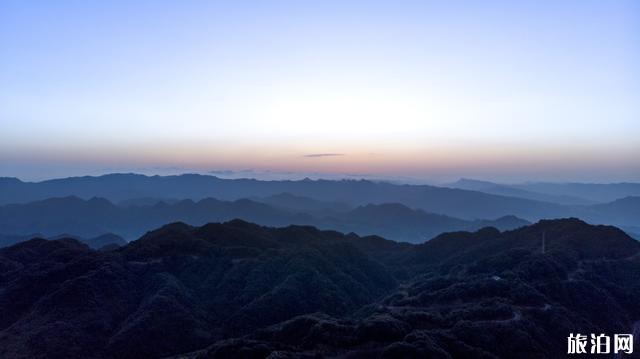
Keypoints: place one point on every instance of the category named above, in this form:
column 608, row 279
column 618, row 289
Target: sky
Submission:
column 421, row 90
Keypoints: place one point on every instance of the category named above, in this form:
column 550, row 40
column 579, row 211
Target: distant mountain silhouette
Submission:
column 90, row 218
column 398, row 222
column 240, row 290
column 502, row 223
column 96, row 216
column 98, row 242
column 146, row 201
column 619, row 212
column 633, row 233
column 593, row 191
column 120, row 187
column 303, row 204
column 109, row 240
column 563, row 193
column 516, row 191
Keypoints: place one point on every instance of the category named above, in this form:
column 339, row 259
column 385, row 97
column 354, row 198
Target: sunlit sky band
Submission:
column 436, row 90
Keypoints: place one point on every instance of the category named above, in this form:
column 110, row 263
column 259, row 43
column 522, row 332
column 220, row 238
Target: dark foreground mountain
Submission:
column 240, row 290
column 479, row 295
column 96, row 216
column 176, row 289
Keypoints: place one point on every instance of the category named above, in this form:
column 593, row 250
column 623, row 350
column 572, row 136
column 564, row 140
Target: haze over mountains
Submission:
column 119, row 187
column 411, row 213
column 563, row 193
column 93, row 217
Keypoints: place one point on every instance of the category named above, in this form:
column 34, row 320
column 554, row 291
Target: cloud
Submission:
column 316, row 155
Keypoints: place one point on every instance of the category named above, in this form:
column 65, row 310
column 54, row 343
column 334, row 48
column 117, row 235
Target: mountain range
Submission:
column 540, row 201
column 561, row 193
column 105, row 241
column 121, row 187
column 96, row 216
column 237, row 289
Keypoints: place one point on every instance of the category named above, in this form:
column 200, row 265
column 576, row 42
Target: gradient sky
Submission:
column 501, row 90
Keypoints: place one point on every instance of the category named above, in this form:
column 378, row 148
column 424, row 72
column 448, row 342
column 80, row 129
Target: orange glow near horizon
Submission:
column 427, row 161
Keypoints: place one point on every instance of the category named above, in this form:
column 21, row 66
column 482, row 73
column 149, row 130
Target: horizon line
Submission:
column 310, row 177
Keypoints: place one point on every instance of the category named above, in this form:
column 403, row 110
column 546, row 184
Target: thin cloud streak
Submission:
column 316, row 155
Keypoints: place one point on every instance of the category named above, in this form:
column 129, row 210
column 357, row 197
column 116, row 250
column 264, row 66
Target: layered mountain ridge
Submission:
column 464, row 204
column 467, row 199
column 96, row 216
